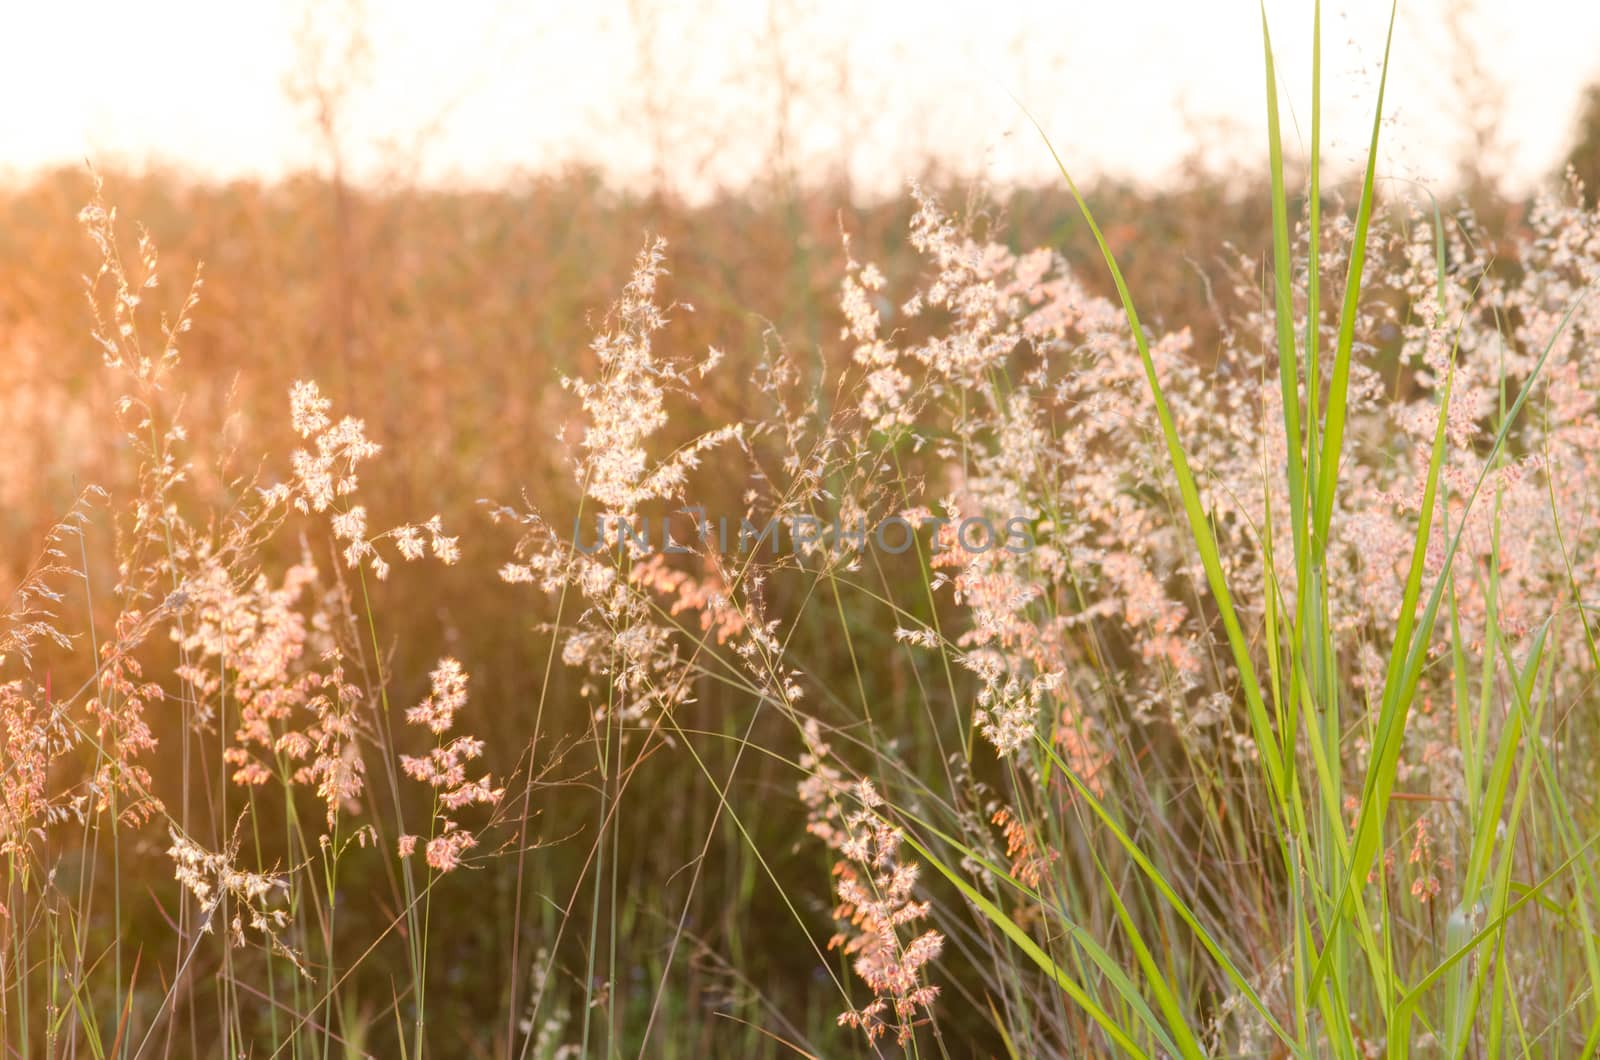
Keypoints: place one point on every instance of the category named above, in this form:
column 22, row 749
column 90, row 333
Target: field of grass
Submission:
column 548, row 622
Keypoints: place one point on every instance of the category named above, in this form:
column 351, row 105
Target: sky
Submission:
column 699, row 94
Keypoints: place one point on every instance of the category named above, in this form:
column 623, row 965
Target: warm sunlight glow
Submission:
column 703, row 90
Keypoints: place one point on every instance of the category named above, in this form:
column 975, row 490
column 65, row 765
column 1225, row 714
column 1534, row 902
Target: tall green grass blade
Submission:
column 1283, row 289
column 1194, row 511
column 1071, row 987
column 1401, row 684
column 1333, row 427
column 1168, row 893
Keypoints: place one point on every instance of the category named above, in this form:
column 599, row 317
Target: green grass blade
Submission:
column 1194, row 511
column 1339, row 387
column 1070, row 986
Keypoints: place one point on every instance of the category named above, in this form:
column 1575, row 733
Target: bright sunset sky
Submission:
column 477, row 90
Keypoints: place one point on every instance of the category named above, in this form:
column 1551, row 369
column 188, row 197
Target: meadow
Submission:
column 1176, row 633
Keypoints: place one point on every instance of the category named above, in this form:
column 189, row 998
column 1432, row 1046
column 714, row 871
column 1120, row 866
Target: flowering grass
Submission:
column 1270, row 734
